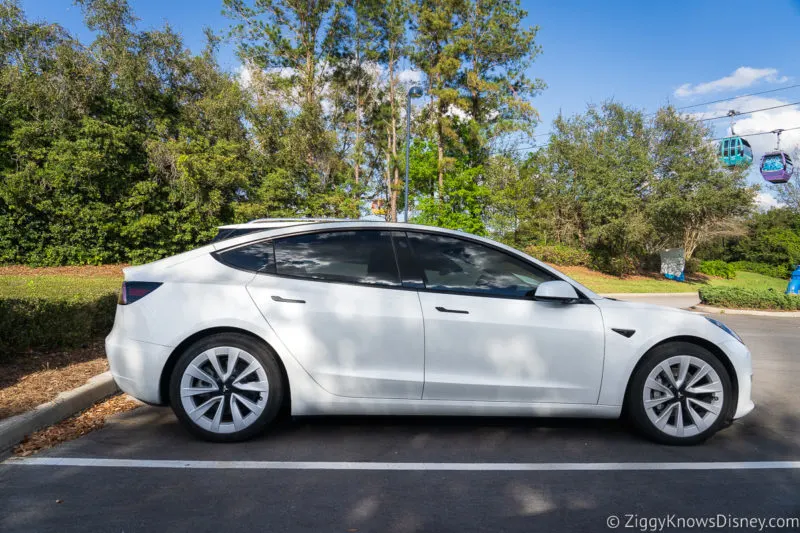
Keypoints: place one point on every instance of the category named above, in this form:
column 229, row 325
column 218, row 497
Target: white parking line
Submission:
column 470, row 467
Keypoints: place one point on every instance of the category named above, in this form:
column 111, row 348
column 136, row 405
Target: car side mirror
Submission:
column 556, row 291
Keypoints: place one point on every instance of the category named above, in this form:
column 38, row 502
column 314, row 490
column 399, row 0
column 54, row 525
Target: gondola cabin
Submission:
column 776, row 167
column 735, row 151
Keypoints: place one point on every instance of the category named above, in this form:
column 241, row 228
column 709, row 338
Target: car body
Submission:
column 379, row 318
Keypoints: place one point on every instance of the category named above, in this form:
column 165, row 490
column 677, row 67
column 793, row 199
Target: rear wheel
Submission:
column 226, row 387
column 680, row 394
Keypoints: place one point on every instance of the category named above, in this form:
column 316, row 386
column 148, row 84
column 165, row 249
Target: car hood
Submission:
column 613, row 303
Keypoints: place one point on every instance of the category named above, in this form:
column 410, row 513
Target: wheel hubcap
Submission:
column 224, row 389
column 683, row 396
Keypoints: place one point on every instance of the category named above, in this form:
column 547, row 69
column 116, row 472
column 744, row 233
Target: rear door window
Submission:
column 361, row 256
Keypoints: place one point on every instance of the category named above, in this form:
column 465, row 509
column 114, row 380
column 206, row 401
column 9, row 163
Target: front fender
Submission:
column 653, row 325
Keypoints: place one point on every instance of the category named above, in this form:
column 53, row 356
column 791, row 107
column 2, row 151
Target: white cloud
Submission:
column 740, row 78
column 411, row 77
column 765, row 202
column 457, row 112
column 245, row 76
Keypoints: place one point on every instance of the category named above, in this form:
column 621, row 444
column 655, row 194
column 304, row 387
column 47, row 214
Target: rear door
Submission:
column 336, row 301
column 487, row 340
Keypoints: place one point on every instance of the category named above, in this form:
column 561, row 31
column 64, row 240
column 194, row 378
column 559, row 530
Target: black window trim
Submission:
column 582, row 298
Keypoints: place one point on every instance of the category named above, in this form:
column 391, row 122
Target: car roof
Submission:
column 281, row 222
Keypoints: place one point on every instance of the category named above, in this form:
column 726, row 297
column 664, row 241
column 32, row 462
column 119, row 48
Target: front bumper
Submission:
column 739, row 356
column 137, row 366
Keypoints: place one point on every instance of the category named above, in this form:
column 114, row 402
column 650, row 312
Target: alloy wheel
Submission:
column 224, row 389
column 683, row 396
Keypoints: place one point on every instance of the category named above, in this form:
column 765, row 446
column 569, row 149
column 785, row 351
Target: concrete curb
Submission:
column 752, row 312
column 66, row 404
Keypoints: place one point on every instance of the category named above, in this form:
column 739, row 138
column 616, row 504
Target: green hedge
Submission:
column 53, row 312
column 718, row 268
column 559, row 254
column 782, row 271
column 742, row 298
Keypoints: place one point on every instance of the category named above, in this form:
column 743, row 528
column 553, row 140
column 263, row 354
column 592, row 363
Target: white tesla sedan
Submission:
column 377, row 318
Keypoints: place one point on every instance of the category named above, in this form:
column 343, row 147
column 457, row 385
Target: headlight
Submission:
column 725, row 328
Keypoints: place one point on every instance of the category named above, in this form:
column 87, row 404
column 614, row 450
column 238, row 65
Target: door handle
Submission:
column 446, row 310
column 287, row 300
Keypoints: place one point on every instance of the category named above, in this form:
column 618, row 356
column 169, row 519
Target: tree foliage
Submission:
column 131, row 147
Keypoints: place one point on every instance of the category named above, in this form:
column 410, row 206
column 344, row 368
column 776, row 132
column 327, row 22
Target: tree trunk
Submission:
column 391, row 182
column 440, row 153
column 393, row 169
column 691, row 239
column 357, row 146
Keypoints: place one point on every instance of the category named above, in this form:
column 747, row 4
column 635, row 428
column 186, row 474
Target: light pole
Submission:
column 413, row 92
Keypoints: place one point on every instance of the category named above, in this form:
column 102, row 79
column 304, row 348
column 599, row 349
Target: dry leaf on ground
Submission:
column 76, row 426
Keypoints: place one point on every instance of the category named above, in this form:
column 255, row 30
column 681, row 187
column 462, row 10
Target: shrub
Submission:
column 558, row 254
column 718, row 268
column 53, row 313
column 780, row 271
column 621, row 266
column 743, row 298
column 692, row 266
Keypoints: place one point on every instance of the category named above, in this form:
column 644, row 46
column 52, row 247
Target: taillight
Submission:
column 135, row 290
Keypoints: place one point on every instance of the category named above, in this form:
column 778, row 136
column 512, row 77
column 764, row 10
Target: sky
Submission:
column 640, row 53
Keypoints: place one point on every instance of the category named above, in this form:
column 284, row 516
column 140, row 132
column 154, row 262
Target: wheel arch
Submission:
column 691, row 339
column 169, row 366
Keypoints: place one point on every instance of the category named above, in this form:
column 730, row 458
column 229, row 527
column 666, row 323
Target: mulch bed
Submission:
column 32, row 378
column 76, row 271
column 77, row 426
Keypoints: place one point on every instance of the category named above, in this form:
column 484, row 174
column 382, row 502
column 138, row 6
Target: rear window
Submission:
column 256, row 257
column 364, row 256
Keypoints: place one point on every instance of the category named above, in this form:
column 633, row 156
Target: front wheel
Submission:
column 680, row 394
column 226, row 387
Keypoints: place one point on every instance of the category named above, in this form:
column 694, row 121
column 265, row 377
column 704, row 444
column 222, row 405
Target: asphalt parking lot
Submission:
column 427, row 474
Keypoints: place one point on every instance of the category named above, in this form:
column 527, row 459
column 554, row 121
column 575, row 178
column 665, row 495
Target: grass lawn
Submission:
column 605, row 284
column 56, row 287
column 59, row 282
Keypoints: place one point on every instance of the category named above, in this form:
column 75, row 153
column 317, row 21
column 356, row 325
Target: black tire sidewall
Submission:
column 255, row 348
column 635, row 406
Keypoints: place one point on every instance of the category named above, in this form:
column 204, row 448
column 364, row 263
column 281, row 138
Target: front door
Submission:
column 487, row 340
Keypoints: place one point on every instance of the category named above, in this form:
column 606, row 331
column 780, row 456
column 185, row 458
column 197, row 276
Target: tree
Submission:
column 390, row 25
column 595, row 170
column 294, row 45
column 690, row 193
column 437, row 53
column 496, row 53
column 128, row 149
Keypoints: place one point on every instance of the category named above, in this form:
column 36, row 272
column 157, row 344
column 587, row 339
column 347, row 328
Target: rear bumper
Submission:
column 137, row 366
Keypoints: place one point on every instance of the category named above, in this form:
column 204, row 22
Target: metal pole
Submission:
column 408, row 143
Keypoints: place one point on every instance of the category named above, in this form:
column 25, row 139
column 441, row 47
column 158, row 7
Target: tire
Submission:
column 250, row 393
column 684, row 410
